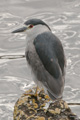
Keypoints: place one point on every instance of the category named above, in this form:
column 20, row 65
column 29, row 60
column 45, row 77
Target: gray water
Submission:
column 63, row 16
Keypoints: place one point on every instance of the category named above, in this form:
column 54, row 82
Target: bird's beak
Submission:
column 20, row 30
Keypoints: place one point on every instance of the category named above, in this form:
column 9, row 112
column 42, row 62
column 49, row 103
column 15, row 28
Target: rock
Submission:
column 30, row 107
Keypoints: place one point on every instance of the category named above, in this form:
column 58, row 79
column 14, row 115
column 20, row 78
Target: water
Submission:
column 64, row 19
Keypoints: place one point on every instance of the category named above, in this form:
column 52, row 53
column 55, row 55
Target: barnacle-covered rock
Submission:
column 29, row 107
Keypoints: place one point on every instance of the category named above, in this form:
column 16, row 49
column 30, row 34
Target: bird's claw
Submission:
column 33, row 95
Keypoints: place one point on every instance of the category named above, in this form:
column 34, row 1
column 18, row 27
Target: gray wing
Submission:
column 50, row 52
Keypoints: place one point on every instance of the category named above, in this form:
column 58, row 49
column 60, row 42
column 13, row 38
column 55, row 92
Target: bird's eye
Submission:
column 31, row 26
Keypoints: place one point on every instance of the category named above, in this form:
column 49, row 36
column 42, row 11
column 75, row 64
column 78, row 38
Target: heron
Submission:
column 45, row 56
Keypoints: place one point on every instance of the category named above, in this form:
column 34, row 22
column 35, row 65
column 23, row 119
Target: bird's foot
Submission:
column 30, row 94
column 33, row 94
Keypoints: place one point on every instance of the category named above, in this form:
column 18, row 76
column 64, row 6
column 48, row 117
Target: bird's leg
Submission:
column 36, row 92
column 33, row 94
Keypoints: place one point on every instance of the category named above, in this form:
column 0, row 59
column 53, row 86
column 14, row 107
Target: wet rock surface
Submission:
column 30, row 107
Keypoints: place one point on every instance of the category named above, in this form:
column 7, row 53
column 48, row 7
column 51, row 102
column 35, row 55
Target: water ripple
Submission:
column 8, row 22
column 71, row 94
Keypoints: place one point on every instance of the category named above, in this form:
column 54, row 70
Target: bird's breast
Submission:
column 34, row 62
column 32, row 56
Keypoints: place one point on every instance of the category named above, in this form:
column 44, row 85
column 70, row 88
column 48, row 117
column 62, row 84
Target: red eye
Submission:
column 31, row 26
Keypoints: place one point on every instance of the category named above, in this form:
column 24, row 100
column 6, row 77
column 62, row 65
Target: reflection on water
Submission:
column 64, row 20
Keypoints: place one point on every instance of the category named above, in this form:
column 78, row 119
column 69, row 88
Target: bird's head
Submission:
column 33, row 26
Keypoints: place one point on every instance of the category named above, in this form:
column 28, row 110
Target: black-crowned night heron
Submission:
column 45, row 56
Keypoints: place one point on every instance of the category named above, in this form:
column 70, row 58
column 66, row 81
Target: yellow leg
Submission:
column 36, row 92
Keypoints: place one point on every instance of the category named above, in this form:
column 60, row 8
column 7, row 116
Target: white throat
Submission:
column 36, row 30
